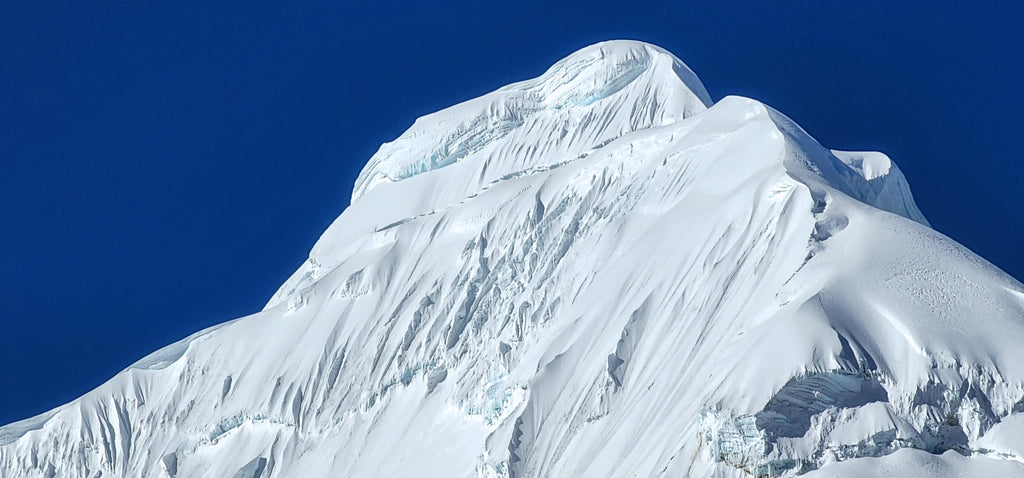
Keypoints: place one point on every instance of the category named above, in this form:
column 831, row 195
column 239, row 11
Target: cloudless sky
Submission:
column 164, row 166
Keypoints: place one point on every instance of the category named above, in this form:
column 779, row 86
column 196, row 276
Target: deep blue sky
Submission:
column 166, row 165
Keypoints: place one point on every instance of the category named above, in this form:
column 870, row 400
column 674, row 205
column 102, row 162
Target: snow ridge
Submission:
column 596, row 272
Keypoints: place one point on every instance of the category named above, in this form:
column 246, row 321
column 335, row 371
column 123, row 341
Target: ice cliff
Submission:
column 596, row 272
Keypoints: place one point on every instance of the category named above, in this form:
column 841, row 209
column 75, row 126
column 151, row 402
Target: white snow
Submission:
column 597, row 272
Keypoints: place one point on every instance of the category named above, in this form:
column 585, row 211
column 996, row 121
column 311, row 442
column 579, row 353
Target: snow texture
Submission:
column 596, row 272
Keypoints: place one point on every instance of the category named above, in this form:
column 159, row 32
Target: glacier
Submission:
column 596, row 272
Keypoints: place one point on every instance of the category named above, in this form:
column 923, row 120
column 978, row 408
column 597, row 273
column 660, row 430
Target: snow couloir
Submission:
column 596, row 272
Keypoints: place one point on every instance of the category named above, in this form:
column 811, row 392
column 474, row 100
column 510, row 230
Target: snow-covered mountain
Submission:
column 596, row 272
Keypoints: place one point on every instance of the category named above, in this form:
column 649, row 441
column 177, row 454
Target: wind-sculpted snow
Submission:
column 554, row 116
column 597, row 272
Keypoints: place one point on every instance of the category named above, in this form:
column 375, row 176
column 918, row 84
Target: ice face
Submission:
column 597, row 272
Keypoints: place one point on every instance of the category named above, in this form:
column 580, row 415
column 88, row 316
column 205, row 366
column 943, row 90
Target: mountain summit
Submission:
column 596, row 272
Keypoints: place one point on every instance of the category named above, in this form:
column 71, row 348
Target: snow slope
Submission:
column 596, row 272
